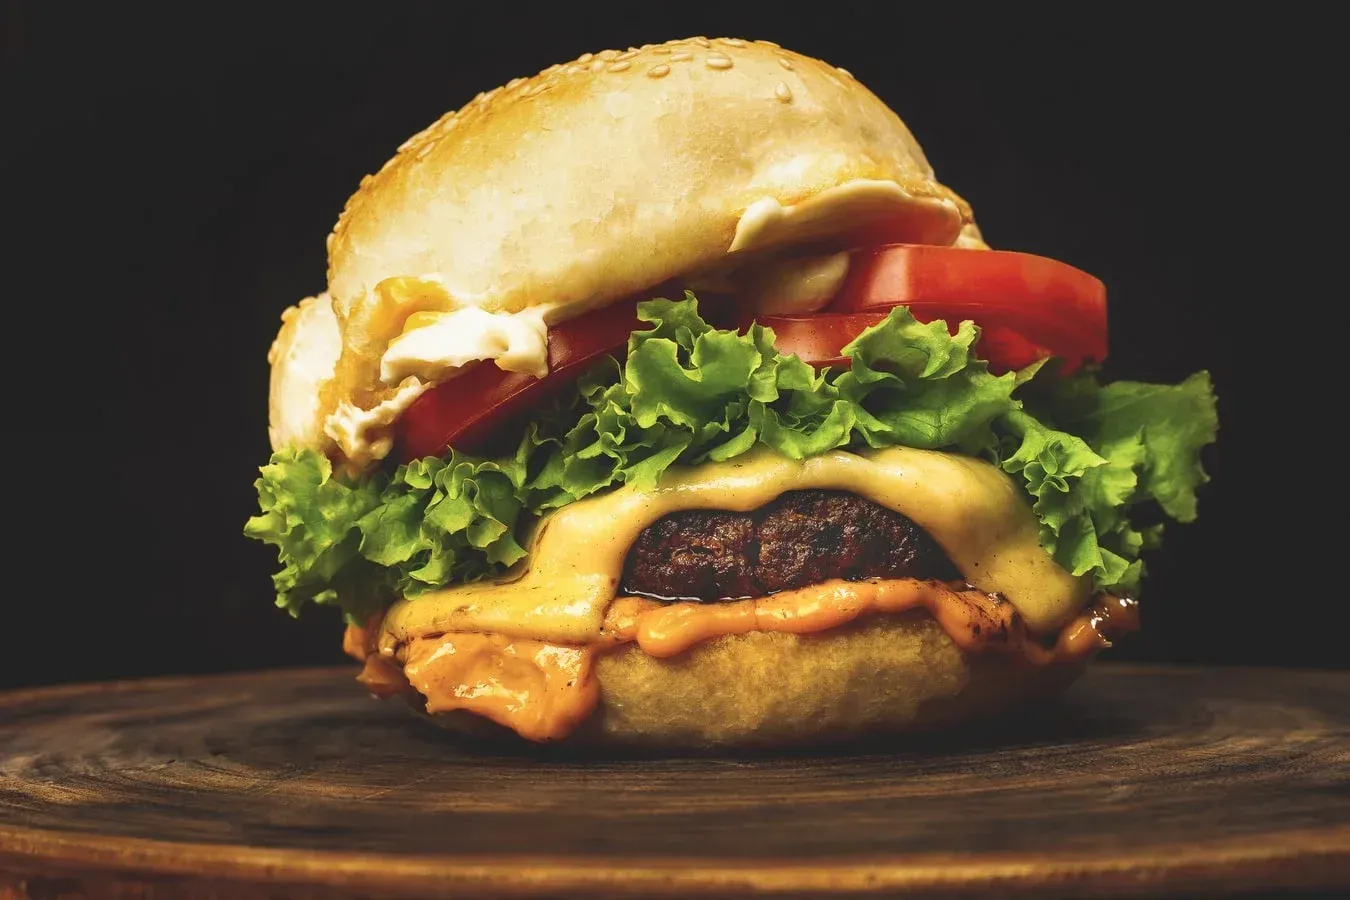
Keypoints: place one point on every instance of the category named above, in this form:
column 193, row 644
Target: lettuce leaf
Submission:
column 1087, row 455
column 1123, row 446
column 311, row 517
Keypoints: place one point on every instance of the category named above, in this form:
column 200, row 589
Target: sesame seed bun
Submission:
column 603, row 177
column 886, row 675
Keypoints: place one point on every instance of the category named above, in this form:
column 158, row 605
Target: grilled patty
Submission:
column 801, row 538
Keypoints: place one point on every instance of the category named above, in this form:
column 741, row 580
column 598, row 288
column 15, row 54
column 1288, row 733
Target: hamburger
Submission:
column 667, row 398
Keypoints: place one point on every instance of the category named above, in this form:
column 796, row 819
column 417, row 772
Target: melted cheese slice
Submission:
column 973, row 511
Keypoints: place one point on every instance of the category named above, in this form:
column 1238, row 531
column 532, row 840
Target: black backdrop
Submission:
column 174, row 172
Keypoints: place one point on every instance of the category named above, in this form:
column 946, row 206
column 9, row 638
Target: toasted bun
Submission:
column 610, row 175
column 890, row 674
column 543, row 191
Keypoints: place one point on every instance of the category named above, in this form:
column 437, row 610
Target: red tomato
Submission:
column 1028, row 307
column 468, row 410
column 820, row 340
column 817, row 338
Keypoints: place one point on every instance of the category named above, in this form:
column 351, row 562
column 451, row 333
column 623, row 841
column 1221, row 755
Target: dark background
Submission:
column 171, row 173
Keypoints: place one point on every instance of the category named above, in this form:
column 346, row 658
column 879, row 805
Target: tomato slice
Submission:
column 1027, row 306
column 469, row 410
column 818, row 338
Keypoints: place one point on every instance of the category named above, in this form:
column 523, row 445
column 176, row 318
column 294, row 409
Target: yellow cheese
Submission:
column 972, row 509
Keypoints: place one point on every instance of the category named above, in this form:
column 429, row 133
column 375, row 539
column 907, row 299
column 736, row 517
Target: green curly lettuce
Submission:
column 1089, row 456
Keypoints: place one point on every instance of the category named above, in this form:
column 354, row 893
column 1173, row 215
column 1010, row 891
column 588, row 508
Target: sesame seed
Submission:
column 718, row 62
column 660, row 71
column 597, row 65
column 620, row 66
column 783, row 92
column 514, row 83
column 681, row 56
column 702, row 42
column 769, row 44
column 572, row 70
column 585, row 57
column 662, row 49
column 731, row 42
column 845, row 72
column 608, row 55
column 629, row 55
column 785, row 63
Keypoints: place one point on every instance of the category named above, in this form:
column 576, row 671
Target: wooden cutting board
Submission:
column 1141, row 782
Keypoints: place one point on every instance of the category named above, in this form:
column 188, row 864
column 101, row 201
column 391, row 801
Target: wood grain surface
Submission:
column 1143, row 781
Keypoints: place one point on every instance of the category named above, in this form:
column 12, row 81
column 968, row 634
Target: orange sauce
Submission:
column 973, row 619
column 543, row 690
column 381, row 676
column 1108, row 617
column 540, row 690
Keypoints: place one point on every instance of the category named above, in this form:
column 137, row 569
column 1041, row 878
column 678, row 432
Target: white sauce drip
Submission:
column 363, row 434
column 516, row 342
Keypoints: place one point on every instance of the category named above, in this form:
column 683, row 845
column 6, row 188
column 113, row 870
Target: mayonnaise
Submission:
column 845, row 209
column 363, row 434
column 516, row 342
column 796, row 285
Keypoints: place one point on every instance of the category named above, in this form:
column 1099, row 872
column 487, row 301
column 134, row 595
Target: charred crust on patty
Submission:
column 802, row 538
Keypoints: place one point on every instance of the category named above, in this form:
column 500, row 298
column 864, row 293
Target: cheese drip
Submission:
column 971, row 509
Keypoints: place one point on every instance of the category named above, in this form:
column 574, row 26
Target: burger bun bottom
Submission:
column 887, row 675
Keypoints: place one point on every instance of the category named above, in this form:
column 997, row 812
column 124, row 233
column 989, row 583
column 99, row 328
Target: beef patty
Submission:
column 801, row 538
